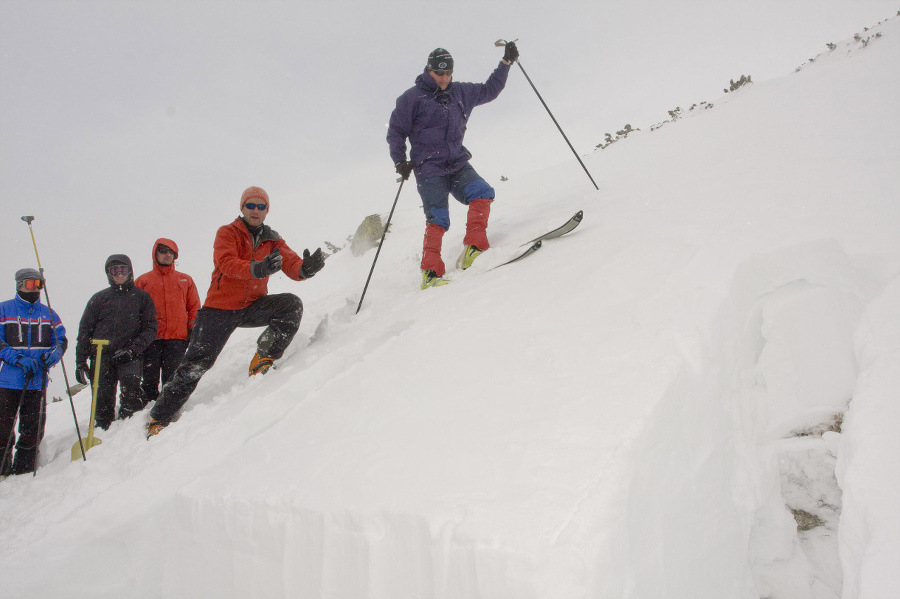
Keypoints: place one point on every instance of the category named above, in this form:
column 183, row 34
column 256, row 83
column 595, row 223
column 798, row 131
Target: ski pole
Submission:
column 577, row 157
column 28, row 220
column 381, row 243
column 7, row 451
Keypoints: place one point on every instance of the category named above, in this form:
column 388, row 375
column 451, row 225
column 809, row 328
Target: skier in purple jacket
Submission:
column 432, row 115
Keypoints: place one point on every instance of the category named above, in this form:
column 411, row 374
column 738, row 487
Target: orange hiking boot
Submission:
column 260, row 365
column 154, row 428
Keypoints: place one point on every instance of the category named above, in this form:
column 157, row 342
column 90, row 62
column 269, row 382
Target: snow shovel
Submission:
column 91, row 440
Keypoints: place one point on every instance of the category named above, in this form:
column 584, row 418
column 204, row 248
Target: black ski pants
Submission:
column 127, row 377
column 280, row 314
column 31, row 429
column 160, row 358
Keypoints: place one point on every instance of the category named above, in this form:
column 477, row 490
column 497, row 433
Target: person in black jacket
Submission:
column 126, row 317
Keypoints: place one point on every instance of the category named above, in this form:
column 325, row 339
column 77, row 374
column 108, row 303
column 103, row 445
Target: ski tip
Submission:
column 578, row 215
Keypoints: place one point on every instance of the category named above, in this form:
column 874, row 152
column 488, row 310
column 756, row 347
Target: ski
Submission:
column 531, row 249
column 568, row 227
column 535, row 244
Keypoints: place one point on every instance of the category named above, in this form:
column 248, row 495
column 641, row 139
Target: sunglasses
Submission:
column 118, row 270
column 250, row 206
column 442, row 72
column 32, row 284
column 165, row 250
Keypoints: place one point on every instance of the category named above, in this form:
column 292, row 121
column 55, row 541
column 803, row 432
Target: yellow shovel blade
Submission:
column 88, row 443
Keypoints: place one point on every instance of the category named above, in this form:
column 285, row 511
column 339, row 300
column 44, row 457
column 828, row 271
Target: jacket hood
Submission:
column 264, row 232
column 156, row 244
column 121, row 259
column 426, row 82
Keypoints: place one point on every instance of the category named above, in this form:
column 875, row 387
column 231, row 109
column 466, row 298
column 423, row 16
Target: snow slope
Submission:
column 645, row 408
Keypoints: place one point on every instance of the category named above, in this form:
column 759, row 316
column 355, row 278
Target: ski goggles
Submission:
column 250, row 206
column 164, row 249
column 442, row 72
column 117, row 270
column 32, row 284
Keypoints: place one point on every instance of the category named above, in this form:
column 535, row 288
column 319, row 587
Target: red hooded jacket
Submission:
column 174, row 295
column 232, row 287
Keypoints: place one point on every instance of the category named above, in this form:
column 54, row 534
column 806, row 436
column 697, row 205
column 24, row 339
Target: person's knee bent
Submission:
column 289, row 307
column 479, row 189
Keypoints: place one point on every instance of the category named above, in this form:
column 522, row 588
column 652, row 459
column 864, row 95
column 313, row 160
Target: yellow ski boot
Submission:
column 468, row 257
column 430, row 279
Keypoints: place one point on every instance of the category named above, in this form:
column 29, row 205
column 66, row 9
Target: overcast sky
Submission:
column 121, row 122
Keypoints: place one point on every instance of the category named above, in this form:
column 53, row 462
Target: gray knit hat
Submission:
column 26, row 274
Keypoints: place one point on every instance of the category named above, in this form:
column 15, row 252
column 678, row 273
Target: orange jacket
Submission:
column 174, row 295
column 232, row 287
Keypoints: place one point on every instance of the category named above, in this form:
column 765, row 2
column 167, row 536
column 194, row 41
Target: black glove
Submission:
column 312, row 263
column 82, row 374
column 260, row 269
column 404, row 168
column 512, row 53
column 122, row 356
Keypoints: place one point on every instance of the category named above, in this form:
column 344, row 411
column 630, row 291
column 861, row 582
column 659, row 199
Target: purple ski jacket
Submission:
column 434, row 121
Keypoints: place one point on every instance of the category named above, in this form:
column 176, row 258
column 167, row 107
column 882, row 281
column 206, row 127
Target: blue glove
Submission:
column 31, row 366
column 51, row 357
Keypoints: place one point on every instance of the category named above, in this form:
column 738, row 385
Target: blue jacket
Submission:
column 434, row 121
column 33, row 330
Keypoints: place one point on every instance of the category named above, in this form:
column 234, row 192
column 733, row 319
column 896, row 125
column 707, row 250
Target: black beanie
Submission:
column 440, row 60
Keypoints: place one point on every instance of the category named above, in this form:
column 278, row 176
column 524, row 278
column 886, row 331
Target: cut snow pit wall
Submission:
column 869, row 527
column 797, row 375
column 708, row 507
column 283, row 550
column 686, row 536
column 746, row 439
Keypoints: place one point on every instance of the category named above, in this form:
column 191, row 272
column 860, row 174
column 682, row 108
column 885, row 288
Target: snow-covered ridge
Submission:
column 614, row 417
column 846, row 48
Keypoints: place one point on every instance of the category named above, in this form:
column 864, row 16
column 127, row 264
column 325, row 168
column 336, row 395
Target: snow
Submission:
column 644, row 408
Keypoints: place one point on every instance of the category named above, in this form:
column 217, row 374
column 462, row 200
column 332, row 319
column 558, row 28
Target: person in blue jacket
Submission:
column 32, row 340
column 432, row 116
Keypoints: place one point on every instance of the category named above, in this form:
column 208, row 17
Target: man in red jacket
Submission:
column 177, row 301
column 245, row 253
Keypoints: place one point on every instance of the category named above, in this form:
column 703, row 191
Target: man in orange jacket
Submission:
column 245, row 253
column 177, row 301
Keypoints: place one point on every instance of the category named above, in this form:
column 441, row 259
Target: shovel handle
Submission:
column 99, row 343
